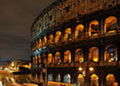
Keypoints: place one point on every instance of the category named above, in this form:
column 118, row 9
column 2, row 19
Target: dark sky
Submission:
column 16, row 17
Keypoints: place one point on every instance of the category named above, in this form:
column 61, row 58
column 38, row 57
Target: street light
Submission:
column 80, row 69
column 91, row 69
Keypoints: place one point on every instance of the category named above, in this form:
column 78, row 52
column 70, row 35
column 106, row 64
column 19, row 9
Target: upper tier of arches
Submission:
column 94, row 28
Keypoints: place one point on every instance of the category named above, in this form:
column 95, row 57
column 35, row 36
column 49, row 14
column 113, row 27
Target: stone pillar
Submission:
column 86, row 54
column 101, row 53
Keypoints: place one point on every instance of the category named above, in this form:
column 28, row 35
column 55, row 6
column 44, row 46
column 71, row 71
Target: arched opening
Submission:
column 110, row 79
column 40, row 43
column 80, row 80
column 34, row 59
column 39, row 59
column 67, row 56
column 67, row 78
column 57, row 57
column 50, row 77
column 110, row 24
column 94, row 54
column 67, row 34
column 44, row 41
column 94, row 28
column 36, row 44
column 33, row 46
column 50, row 58
column 110, row 54
column 79, row 57
column 79, row 31
column 58, row 36
column 58, row 78
column 94, row 80
column 51, row 39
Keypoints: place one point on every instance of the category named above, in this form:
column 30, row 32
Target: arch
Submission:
column 58, row 78
column 94, row 28
column 110, row 79
column 79, row 31
column 79, row 57
column 80, row 80
column 94, row 80
column 39, row 59
column 51, row 38
column 44, row 41
column 50, row 77
column 50, row 58
column 68, row 30
column 57, row 57
column 40, row 43
column 67, row 56
column 35, row 60
column 67, row 34
column 110, row 24
column 36, row 44
column 94, row 54
column 58, row 36
column 67, row 78
column 110, row 54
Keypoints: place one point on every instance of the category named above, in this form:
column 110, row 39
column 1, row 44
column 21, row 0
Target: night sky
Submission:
column 16, row 17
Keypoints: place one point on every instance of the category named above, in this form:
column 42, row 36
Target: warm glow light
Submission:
column 80, row 76
column 94, row 77
column 80, row 27
column 111, row 20
column 95, row 59
column 110, row 77
column 12, row 64
column 94, row 54
column 80, row 68
column 50, row 57
column 91, row 69
column 58, row 33
column 68, row 30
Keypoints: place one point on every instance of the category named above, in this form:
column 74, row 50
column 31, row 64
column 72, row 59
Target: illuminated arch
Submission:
column 110, row 79
column 58, row 57
column 37, row 44
column 40, row 43
column 110, row 54
column 39, row 59
column 44, row 41
column 94, row 54
column 110, row 24
column 67, row 56
column 78, row 31
column 94, row 80
column 94, row 28
column 67, row 34
column 51, row 38
column 80, row 80
column 79, row 57
column 50, row 58
column 58, row 36
column 35, row 59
